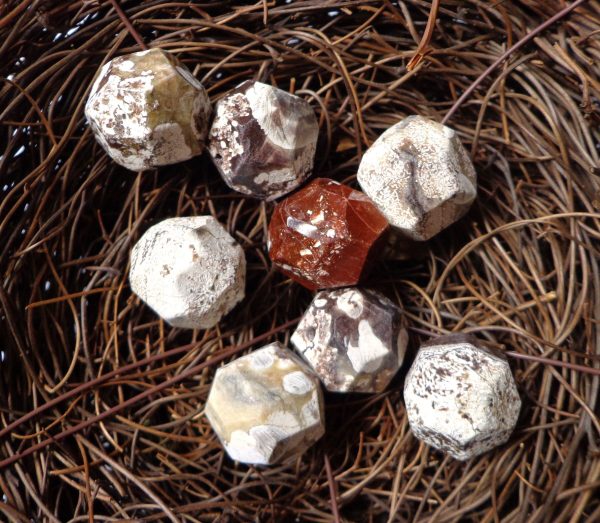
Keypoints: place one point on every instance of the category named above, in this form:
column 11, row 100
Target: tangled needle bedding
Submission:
column 522, row 271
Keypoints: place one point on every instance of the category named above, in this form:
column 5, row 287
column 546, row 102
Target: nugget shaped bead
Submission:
column 353, row 339
column 146, row 110
column 266, row 407
column 461, row 397
column 419, row 176
column 326, row 235
column 189, row 270
column 263, row 140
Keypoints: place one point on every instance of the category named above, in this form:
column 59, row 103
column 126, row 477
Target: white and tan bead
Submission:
column 146, row 110
column 266, row 407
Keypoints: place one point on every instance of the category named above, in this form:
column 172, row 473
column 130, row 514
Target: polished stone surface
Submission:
column 326, row 235
column 190, row 271
column 353, row 339
column 461, row 396
column 420, row 176
column 146, row 110
column 263, row 140
column 266, row 407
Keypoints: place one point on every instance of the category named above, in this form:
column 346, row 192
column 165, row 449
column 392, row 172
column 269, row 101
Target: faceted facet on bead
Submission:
column 266, row 407
column 353, row 339
column 190, row 271
column 461, row 397
column 325, row 235
column 263, row 140
column 146, row 110
column 419, row 176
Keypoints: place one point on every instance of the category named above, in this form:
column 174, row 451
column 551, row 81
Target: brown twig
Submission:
column 421, row 50
column 128, row 25
column 515, row 47
column 585, row 369
column 332, row 491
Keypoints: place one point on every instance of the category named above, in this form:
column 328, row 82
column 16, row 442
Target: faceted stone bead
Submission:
column 266, row 407
column 461, row 397
column 146, row 110
column 419, row 176
column 325, row 235
column 263, row 140
column 353, row 339
column 190, row 271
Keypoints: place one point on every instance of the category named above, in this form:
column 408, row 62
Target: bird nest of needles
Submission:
column 102, row 403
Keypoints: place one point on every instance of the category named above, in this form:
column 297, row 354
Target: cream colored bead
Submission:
column 419, row 176
column 461, row 397
column 189, row 270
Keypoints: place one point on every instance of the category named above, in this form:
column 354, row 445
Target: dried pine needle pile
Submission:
column 113, row 398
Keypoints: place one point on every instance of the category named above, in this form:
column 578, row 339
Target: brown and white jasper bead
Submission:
column 420, row 177
column 146, row 109
column 263, row 140
column 190, row 271
column 353, row 339
column 266, row 407
column 461, row 396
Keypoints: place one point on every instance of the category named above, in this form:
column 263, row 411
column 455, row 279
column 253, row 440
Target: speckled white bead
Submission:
column 419, row 176
column 461, row 397
column 146, row 109
column 353, row 339
column 190, row 271
column 266, row 407
column 263, row 140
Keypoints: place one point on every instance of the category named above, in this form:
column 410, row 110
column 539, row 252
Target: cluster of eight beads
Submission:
column 146, row 110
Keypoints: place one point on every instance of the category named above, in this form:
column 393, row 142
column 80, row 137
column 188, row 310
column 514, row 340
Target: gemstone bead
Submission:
column 263, row 140
column 460, row 396
column 353, row 339
column 266, row 407
column 325, row 235
column 190, row 271
column 419, row 176
column 146, row 110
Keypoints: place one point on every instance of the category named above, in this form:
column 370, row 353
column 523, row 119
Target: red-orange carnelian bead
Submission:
column 325, row 235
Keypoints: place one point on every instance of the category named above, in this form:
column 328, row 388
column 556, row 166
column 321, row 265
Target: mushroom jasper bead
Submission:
column 419, row 176
column 263, row 140
column 266, row 407
column 146, row 110
column 353, row 339
column 461, row 397
column 189, row 270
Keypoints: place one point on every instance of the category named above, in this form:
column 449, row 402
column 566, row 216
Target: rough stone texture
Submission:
column 461, row 397
column 189, row 270
column 266, row 406
column 420, row 176
column 263, row 140
column 325, row 235
column 146, row 109
column 353, row 339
